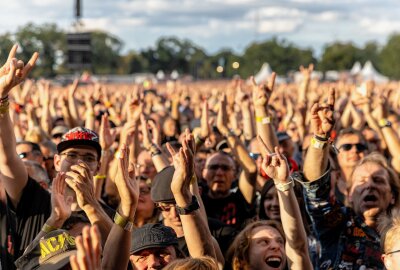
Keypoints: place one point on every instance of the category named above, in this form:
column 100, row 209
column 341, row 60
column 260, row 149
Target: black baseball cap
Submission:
column 152, row 235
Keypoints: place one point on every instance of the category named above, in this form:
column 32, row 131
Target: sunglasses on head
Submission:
column 348, row 146
column 215, row 167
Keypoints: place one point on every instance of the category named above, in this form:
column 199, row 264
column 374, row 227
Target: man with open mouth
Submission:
column 348, row 235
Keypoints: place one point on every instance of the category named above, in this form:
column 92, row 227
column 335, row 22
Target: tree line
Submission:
column 171, row 53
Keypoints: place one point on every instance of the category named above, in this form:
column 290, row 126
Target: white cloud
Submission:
column 328, row 16
column 381, row 27
column 279, row 25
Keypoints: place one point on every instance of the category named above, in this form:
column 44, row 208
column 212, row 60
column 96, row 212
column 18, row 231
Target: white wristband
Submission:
column 284, row 186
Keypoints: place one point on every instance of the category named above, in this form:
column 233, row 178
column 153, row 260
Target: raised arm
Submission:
column 265, row 127
column 276, row 166
column 248, row 176
column 157, row 156
column 72, row 106
column 322, row 123
column 197, row 234
column 116, row 250
column 12, row 170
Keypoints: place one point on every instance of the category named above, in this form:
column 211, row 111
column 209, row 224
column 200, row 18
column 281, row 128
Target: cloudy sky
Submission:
column 216, row 24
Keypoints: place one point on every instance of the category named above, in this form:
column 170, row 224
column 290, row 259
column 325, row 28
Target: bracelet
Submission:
column 108, row 104
column 384, row 123
column 264, row 120
column 284, row 186
column 3, row 99
column 321, row 139
column 124, row 223
column 230, row 133
column 4, row 107
column 156, row 153
column 199, row 140
column 100, row 176
column 47, row 228
column 317, row 143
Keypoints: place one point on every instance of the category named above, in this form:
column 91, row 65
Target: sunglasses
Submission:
column 348, row 146
column 23, row 155
column 214, row 167
column 254, row 156
column 165, row 207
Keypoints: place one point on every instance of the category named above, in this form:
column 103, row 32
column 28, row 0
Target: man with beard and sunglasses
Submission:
column 348, row 235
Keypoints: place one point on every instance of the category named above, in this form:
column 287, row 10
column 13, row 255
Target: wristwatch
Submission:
column 193, row 206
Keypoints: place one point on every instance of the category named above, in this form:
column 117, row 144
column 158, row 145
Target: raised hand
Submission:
column 322, row 116
column 73, row 87
column 127, row 185
column 61, row 204
column 262, row 93
column 184, row 166
column 88, row 256
column 205, row 129
column 14, row 71
column 147, row 140
column 222, row 117
column 275, row 164
column 106, row 134
column 306, row 72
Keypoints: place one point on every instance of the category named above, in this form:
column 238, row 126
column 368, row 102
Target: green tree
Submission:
column 339, row 56
column 390, row 57
column 6, row 43
column 47, row 39
column 106, row 50
column 281, row 55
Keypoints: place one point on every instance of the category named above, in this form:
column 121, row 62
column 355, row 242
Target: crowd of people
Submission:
column 202, row 175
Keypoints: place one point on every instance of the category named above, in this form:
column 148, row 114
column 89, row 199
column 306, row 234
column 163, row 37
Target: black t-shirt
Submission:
column 20, row 226
column 232, row 210
column 24, row 223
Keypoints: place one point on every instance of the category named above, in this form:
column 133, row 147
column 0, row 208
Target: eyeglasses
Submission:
column 48, row 158
column 74, row 157
column 395, row 251
column 254, row 156
column 165, row 207
column 58, row 135
column 23, row 155
column 214, row 167
column 144, row 191
column 360, row 147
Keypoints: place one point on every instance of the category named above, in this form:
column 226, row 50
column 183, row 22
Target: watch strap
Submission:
column 193, row 206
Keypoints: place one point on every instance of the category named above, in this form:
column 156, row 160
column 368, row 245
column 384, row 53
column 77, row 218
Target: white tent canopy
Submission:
column 368, row 72
column 356, row 69
column 264, row 73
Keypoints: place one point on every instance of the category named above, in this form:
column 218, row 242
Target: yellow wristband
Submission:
column 100, row 176
column 317, row 143
column 123, row 222
column 264, row 120
column 108, row 104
